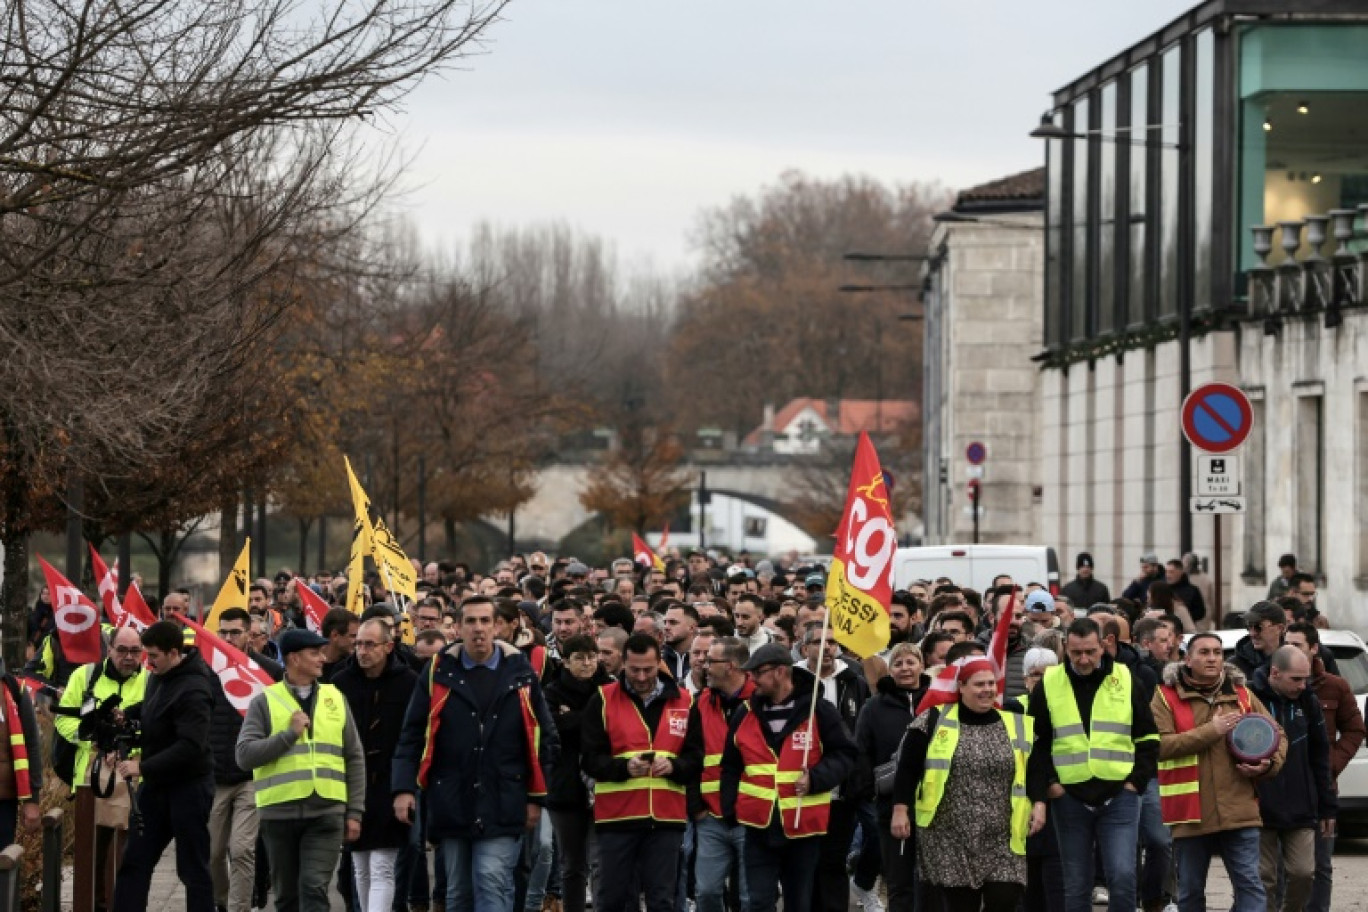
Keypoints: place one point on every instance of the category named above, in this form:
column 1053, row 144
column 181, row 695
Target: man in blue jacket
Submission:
column 478, row 739
column 1301, row 799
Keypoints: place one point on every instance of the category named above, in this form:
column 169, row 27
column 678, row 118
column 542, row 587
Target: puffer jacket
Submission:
column 1230, row 801
column 878, row 732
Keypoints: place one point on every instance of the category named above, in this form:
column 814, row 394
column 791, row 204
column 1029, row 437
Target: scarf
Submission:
column 18, row 749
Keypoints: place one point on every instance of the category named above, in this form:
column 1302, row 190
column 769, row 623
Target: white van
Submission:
column 976, row 565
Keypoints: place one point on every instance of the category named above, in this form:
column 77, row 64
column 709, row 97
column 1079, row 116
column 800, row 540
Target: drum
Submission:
column 1253, row 739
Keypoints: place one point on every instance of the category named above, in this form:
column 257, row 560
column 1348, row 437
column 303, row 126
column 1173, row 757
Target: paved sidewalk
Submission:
column 167, row 894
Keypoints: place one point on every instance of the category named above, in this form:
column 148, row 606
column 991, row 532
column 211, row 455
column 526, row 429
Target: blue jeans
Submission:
column 1157, row 842
column 687, row 849
column 719, row 851
column 1239, row 849
column 480, row 873
column 1114, row 829
column 538, row 846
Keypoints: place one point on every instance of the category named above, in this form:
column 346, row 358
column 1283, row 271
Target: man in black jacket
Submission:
column 233, row 820
column 1300, row 799
column 177, row 769
column 1184, row 591
column 1086, row 590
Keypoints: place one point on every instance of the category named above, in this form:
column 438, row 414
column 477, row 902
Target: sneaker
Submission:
column 1100, row 896
column 1171, row 907
column 867, row 899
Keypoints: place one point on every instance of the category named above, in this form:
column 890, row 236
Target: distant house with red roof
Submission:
column 800, row 426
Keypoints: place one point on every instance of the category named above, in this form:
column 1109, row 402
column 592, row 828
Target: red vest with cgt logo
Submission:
column 642, row 797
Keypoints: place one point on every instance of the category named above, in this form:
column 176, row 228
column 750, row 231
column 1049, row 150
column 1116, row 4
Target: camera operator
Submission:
column 177, row 769
column 91, row 686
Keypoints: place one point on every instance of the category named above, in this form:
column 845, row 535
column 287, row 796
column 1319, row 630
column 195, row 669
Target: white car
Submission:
column 1351, row 657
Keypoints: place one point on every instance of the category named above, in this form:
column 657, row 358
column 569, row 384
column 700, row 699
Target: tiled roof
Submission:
column 878, row 416
column 1026, row 186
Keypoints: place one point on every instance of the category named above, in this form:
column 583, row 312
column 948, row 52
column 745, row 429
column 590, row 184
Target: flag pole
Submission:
column 812, row 711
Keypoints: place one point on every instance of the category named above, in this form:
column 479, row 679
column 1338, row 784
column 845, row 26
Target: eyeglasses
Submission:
column 128, row 650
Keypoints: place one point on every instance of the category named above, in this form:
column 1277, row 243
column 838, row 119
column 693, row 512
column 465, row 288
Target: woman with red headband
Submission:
column 962, row 776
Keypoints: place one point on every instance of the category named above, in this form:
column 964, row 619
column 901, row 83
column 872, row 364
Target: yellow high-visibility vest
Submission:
column 316, row 763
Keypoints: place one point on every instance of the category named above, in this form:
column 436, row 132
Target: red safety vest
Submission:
column 768, row 780
column 1180, row 797
column 437, row 698
column 715, row 726
column 642, row 797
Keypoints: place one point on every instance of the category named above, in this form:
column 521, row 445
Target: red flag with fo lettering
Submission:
column 314, row 606
column 133, row 611
column 140, row 616
column 75, row 616
column 242, row 679
column 860, row 582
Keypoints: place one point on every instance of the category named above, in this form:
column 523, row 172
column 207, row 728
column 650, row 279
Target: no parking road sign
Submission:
column 1217, row 418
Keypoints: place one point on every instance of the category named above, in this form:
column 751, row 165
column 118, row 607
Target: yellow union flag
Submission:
column 859, row 583
column 395, row 568
column 233, row 592
column 360, row 544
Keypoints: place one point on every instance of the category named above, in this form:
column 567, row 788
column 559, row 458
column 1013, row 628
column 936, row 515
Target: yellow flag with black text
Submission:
column 233, row 592
column 395, row 569
column 860, row 582
column 360, row 544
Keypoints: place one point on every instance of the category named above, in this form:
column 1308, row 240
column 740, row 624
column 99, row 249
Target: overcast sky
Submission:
column 626, row 117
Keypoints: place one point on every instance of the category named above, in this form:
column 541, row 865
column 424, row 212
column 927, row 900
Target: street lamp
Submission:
column 1048, row 129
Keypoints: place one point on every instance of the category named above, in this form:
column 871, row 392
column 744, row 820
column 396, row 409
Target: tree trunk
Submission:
column 166, row 556
column 16, row 601
column 228, row 534
column 304, row 525
column 449, row 526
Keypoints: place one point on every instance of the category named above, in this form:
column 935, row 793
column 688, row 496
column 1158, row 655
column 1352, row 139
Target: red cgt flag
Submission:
column 75, row 616
column 314, row 606
column 860, row 582
column 137, row 610
column 643, row 555
column 242, row 679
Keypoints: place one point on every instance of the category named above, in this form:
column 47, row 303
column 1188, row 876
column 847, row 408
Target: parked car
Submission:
column 1351, row 655
column 976, row 565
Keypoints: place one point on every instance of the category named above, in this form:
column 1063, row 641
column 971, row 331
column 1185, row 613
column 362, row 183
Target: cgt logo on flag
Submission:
column 859, row 586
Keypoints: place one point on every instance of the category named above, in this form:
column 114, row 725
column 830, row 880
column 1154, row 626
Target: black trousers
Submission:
column 179, row 812
column 832, row 889
column 632, row 858
column 993, row 896
column 899, row 867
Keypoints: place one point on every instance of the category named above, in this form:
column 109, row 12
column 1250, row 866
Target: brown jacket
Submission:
column 1229, row 799
column 1343, row 721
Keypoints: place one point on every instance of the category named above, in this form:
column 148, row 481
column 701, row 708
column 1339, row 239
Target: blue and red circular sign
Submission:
column 1217, row 418
column 976, row 453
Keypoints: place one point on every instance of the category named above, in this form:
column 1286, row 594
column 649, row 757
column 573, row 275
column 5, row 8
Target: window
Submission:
column 1203, row 127
column 1106, row 234
column 1054, row 304
column 1080, row 293
column 1171, row 113
column 1138, row 299
column 1303, row 103
column 1254, row 486
column 1309, row 485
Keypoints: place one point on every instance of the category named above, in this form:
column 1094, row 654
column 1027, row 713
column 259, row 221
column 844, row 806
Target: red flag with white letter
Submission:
column 139, row 615
column 75, row 616
column 108, row 584
column 643, row 555
column 242, row 678
column 997, row 647
column 860, row 582
column 314, row 606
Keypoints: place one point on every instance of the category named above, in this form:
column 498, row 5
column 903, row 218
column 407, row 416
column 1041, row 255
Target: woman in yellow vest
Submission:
column 963, row 769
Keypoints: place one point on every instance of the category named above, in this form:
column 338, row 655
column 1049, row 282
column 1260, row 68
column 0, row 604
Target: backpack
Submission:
column 63, row 751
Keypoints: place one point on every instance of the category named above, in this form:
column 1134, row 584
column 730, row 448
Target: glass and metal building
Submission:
column 1239, row 113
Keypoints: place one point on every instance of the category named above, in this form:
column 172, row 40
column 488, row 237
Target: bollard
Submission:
column 52, row 861
column 9, row 877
